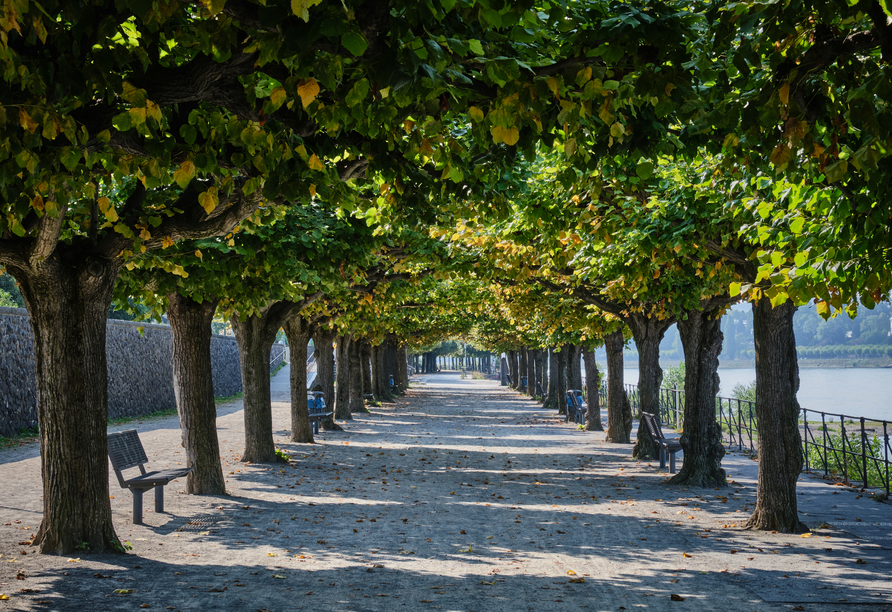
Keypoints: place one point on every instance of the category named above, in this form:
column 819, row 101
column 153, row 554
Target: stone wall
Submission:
column 140, row 370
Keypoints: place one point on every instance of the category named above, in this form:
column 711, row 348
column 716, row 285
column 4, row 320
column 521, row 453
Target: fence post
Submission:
column 863, row 452
column 675, row 403
column 845, row 438
column 805, row 437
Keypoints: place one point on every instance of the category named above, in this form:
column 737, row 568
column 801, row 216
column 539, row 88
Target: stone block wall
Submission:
column 140, row 370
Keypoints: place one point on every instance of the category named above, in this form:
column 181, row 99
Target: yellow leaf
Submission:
column 571, row 573
column 685, row 555
column 476, row 114
column 300, row 8
column 107, row 209
column 784, row 93
column 3, row 597
column 554, row 85
column 167, row 242
column 805, row 535
column 184, row 174
column 199, row 255
column 606, row 112
column 312, row 189
column 308, row 90
column 507, row 135
column 26, row 121
column 314, row 163
column 279, row 576
column 123, row 591
column 277, row 96
column 209, row 200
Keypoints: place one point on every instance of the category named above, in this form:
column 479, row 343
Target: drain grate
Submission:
column 199, row 523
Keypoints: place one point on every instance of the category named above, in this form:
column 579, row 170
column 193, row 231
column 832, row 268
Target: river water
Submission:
column 854, row 392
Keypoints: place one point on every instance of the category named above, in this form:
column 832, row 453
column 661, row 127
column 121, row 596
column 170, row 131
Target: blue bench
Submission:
column 317, row 409
column 523, row 384
column 576, row 408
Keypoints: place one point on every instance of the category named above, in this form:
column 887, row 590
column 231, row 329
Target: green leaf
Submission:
column 796, row 225
column 644, row 170
column 475, row 46
column 355, row 43
column 358, row 93
column 836, row 171
column 734, row 289
column 301, row 8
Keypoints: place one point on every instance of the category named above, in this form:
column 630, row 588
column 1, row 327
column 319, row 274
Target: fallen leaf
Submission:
column 571, row 573
column 123, row 591
column 487, row 583
column 675, row 597
column 3, row 597
column 861, row 562
column 686, row 555
column 577, row 580
column 279, row 576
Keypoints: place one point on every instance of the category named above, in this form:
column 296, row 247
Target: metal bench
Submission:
column 666, row 446
column 394, row 388
column 576, row 408
column 317, row 409
column 523, row 384
column 125, row 451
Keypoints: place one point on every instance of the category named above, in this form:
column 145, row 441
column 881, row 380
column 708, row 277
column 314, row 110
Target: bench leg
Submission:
column 662, row 458
column 159, row 498
column 672, row 462
column 137, row 506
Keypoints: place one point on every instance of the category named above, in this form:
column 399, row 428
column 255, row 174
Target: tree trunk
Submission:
column 551, row 400
column 255, row 341
column 648, row 332
column 193, row 384
column 616, row 430
column 68, row 296
column 298, row 331
column 531, row 372
column 541, row 355
column 366, row 367
column 402, row 369
column 513, row 369
column 354, row 359
column 592, row 384
column 521, row 366
column 777, row 419
column 390, row 362
column 574, row 366
column 561, row 387
column 701, row 338
column 323, row 340
column 342, row 393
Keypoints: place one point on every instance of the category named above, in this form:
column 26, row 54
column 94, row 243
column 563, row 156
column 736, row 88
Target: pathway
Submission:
column 461, row 496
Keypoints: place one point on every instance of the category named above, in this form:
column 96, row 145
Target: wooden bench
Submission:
column 666, row 446
column 317, row 409
column 576, row 408
column 125, row 451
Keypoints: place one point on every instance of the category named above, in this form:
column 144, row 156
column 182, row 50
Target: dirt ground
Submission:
column 461, row 496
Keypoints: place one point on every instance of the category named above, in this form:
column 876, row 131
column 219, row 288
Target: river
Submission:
column 854, row 392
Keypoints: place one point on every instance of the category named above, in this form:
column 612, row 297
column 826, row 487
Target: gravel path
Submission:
column 461, row 496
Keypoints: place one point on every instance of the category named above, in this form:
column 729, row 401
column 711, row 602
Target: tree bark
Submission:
column 366, row 367
column 255, row 338
column 592, row 384
column 513, row 369
column 552, row 401
column 354, row 359
column 298, row 330
column 531, row 371
column 342, row 393
column 777, row 414
column 574, row 366
column 648, row 332
column 616, row 429
column 522, row 368
column 701, row 338
column 193, row 383
column 68, row 296
column 402, row 360
column 561, row 386
column 323, row 340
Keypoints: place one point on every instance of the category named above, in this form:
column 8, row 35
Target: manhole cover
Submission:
column 200, row 523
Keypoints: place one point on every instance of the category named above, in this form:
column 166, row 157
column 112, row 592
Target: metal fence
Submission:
column 856, row 449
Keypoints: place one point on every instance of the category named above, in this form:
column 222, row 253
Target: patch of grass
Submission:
column 282, row 456
column 23, row 437
column 278, row 367
column 143, row 417
column 228, row 398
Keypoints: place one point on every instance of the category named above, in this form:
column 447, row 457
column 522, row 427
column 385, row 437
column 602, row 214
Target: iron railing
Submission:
column 856, row 449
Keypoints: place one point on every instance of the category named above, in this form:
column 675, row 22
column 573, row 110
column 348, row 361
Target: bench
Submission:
column 539, row 390
column 666, row 446
column 125, row 451
column 317, row 409
column 394, row 388
column 523, row 384
column 576, row 408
